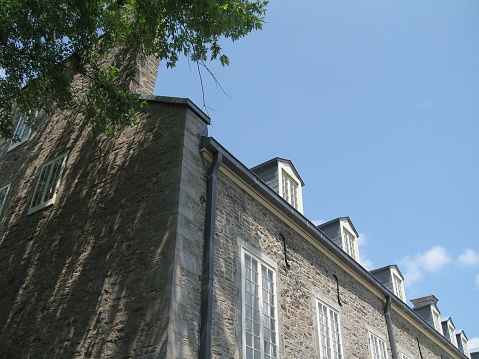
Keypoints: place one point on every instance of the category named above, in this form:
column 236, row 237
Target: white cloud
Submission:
column 468, row 258
column 362, row 239
column 317, row 222
column 431, row 261
column 365, row 262
column 473, row 343
column 423, row 104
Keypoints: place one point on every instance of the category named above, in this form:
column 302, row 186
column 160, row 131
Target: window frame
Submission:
column 452, row 333
column 5, row 188
column 22, row 131
column 465, row 348
column 398, row 286
column 47, row 183
column 378, row 349
column 290, row 189
column 261, row 262
column 332, row 351
column 350, row 244
column 436, row 320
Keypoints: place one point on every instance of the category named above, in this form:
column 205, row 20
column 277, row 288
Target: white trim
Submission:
column 328, row 326
column 22, row 131
column 398, row 284
column 45, row 179
column 436, row 319
column 345, row 228
column 3, row 200
column 289, row 171
column 452, row 333
column 261, row 340
column 379, row 346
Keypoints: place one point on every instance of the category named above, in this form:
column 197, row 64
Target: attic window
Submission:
column 398, row 287
column 452, row 334
column 290, row 190
column 349, row 244
column 436, row 320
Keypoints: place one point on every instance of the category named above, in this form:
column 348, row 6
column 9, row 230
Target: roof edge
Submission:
column 177, row 100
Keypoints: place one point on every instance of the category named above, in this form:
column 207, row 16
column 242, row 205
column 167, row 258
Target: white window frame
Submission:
column 329, row 327
column 3, row 196
column 22, row 131
column 290, row 189
column 452, row 333
column 350, row 244
column 465, row 348
column 436, row 319
column 49, row 179
column 262, row 295
column 378, row 347
column 398, row 286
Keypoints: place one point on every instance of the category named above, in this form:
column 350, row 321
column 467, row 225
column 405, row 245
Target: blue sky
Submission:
column 377, row 105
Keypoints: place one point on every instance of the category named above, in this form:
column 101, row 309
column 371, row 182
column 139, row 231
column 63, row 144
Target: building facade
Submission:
column 159, row 243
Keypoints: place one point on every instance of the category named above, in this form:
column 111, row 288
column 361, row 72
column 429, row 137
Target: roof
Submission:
column 337, row 220
column 387, row 267
column 275, row 161
column 178, row 100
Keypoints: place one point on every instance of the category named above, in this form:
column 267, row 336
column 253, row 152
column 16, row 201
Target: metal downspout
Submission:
column 208, row 259
column 389, row 322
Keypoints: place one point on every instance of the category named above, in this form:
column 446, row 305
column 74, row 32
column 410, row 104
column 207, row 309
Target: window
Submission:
column 378, row 347
column 398, row 287
column 465, row 349
column 22, row 132
column 349, row 243
column 290, row 190
column 452, row 333
column 3, row 196
column 436, row 320
column 330, row 343
column 259, row 309
column 47, row 185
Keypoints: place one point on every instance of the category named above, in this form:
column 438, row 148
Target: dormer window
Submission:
column 398, row 286
column 290, row 190
column 349, row 243
column 465, row 349
column 452, row 334
column 436, row 319
column 342, row 232
column 281, row 176
column 391, row 277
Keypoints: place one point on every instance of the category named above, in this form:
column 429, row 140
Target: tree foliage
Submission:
column 45, row 44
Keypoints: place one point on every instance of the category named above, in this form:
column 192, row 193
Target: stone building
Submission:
column 159, row 243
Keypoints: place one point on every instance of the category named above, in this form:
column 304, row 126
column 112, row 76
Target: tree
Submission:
column 45, row 44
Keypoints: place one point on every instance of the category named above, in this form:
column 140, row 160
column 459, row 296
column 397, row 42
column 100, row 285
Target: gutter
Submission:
column 209, row 259
column 389, row 322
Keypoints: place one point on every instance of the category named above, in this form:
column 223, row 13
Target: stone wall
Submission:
column 242, row 220
column 94, row 275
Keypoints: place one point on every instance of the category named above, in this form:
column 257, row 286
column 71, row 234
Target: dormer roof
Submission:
column 425, row 302
column 389, row 267
column 339, row 219
column 273, row 163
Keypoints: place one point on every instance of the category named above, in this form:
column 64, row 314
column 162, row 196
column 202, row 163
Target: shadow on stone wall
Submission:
column 88, row 277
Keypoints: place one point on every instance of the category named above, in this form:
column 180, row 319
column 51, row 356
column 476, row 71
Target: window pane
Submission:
column 259, row 308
